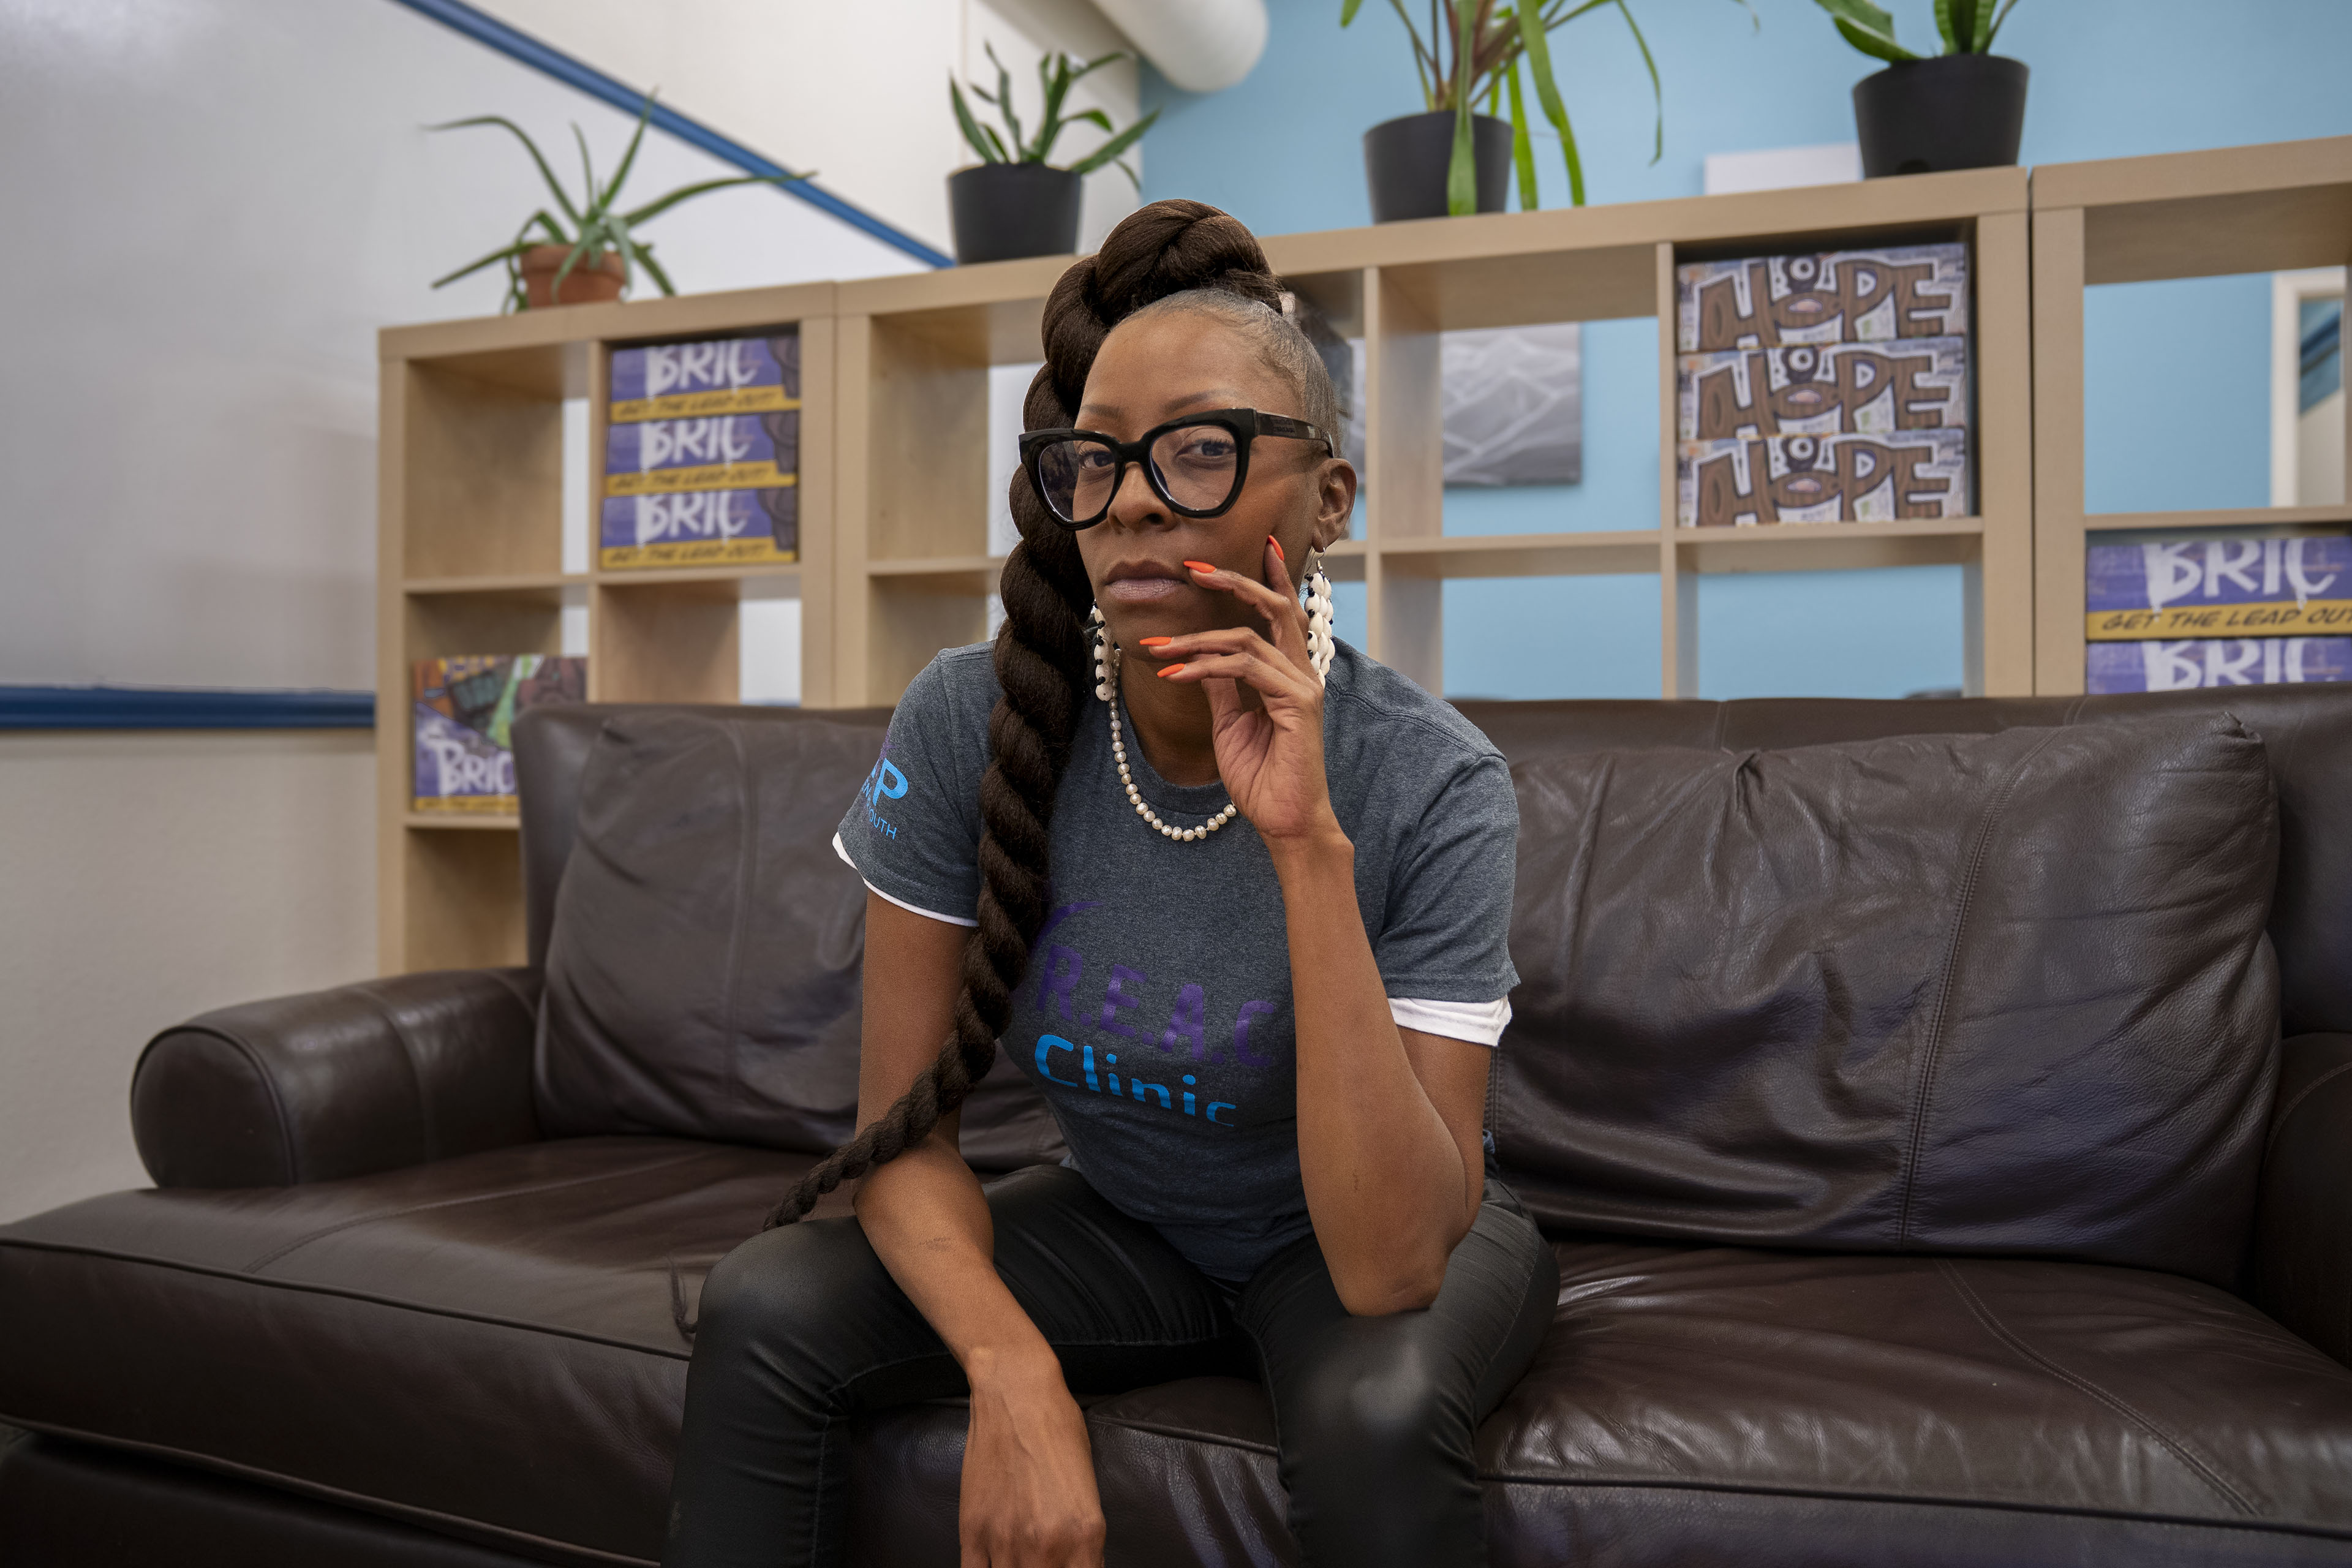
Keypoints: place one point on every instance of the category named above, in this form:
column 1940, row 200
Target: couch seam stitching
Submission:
column 1920, row 1097
column 369, row 990
column 266, row 1260
column 339, row 1292
column 408, row 1512
column 2181, row 1448
column 2170, row 1522
column 2294, row 1103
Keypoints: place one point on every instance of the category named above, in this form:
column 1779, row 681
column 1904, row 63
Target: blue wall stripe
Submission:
column 154, row 707
column 522, row 47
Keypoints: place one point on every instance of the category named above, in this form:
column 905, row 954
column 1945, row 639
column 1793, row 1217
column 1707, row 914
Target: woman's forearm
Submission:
column 1386, row 1183
column 925, row 1216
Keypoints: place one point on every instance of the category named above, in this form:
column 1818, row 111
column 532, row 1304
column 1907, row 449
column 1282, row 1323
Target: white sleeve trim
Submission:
column 1480, row 1023
column 843, row 850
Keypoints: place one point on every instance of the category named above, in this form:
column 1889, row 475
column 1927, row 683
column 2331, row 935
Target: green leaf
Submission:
column 974, row 132
column 1348, row 9
column 1128, row 170
column 629, row 157
column 1944, row 21
column 660, row 205
column 1114, row 147
column 1462, row 171
column 1095, row 116
column 547, row 174
column 653, row 269
column 509, row 253
column 1993, row 31
column 1866, row 27
column 1523, row 147
column 1657, row 92
column 595, row 199
column 1534, row 39
column 1004, row 97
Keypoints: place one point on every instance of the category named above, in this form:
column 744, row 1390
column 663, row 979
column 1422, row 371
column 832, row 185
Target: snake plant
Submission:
column 596, row 224
column 1056, row 74
column 1969, row 27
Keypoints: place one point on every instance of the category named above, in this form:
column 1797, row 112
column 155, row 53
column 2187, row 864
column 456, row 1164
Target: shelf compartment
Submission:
column 1607, row 553
column 462, row 906
column 443, row 624
column 474, row 470
column 1830, row 546
column 2233, row 517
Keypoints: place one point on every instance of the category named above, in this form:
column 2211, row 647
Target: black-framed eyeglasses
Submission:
column 1196, row 464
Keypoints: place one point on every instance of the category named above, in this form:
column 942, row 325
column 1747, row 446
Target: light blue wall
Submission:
column 2177, row 373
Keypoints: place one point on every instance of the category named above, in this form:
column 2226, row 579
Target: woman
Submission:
column 1260, row 995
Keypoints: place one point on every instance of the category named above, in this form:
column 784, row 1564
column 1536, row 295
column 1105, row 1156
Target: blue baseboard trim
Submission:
column 165, row 708
column 520, row 46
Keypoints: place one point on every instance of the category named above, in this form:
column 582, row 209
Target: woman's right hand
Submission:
column 1029, row 1497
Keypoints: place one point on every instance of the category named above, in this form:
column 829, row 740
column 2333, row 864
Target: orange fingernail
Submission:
column 1200, row 566
column 1155, row 642
column 1171, row 669
column 1278, row 555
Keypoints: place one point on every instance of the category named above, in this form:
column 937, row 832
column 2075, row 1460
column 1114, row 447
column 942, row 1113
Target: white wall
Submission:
column 144, row 878
column 213, row 204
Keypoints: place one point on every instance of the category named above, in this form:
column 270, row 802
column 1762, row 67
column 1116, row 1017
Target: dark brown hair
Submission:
column 1043, row 660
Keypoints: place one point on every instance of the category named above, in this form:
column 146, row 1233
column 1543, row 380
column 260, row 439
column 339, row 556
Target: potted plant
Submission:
column 1452, row 159
column 591, row 261
column 1013, row 203
column 1964, row 109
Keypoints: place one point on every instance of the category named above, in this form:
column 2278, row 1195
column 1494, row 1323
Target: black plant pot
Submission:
column 1006, row 210
column 1953, row 111
column 1406, row 160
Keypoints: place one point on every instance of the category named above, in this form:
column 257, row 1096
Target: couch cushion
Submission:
column 702, row 971
column 1718, row 1404
column 483, row 1345
column 702, row 974
column 2004, row 994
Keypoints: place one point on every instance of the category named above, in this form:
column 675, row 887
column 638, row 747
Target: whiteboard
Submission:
column 213, row 205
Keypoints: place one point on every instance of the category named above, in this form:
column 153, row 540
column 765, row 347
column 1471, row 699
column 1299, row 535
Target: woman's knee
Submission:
column 783, row 1285
column 1371, row 1404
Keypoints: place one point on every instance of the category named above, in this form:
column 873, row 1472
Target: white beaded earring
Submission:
column 1106, row 657
column 1320, row 645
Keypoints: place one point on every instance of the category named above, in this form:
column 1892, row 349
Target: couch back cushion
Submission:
column 2004, row 992
column 703, row 962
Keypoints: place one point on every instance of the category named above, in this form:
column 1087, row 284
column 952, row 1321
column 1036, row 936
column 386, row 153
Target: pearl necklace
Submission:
column 1135, row 796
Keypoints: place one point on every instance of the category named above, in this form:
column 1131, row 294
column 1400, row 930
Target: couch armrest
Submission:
column 2303, row 1228
column 339, row 1083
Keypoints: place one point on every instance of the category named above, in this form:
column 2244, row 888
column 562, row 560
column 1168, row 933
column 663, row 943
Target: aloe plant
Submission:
column 596, row 223
column 1056, row 74
column 1969, row 27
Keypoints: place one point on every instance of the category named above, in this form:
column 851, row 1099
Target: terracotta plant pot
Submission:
column 596, row 280
column 1406, row 161
column 1953, row 112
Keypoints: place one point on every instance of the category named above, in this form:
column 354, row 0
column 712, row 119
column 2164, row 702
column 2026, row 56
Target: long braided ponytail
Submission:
column 1042, row 661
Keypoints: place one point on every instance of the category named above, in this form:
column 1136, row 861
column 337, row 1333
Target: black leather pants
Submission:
column 801, row 1329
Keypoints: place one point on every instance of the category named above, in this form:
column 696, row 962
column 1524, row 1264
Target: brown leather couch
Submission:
column 372, row 1315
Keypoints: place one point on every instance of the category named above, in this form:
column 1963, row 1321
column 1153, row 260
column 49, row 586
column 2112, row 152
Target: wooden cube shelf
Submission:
column 894, row 560
column 2135, row 220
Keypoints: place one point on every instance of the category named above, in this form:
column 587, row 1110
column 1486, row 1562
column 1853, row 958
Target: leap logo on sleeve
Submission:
column 885, row 783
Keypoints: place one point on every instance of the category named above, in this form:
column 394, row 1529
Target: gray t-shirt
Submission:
column 1156, row 1012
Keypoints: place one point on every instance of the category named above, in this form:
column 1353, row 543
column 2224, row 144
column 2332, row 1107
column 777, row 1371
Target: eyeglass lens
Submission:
column 1196, row 465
